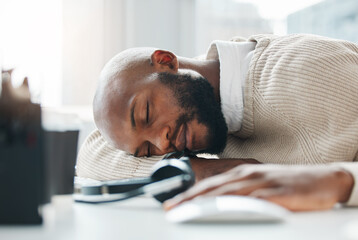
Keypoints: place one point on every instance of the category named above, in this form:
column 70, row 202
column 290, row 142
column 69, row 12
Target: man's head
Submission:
column 146, row 105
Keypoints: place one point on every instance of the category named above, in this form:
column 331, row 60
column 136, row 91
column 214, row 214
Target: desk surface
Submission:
column 143, row 219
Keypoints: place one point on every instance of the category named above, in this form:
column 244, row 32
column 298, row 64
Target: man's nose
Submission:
column 162, row 141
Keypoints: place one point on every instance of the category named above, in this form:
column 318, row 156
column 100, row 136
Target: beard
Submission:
column 196, row 97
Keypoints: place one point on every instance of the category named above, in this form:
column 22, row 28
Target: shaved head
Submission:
column 121, row 72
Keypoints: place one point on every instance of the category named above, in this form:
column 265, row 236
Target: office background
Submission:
column 62, row 45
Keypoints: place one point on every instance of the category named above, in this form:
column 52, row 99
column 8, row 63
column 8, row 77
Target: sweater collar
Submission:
column 234, row 58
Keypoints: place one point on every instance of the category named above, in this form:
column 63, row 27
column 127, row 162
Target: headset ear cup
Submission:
column 169, row 168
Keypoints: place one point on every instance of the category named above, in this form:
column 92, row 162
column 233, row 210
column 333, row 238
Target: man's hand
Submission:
column 298, row 188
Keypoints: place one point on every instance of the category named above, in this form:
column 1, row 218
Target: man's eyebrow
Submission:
column 132, row 117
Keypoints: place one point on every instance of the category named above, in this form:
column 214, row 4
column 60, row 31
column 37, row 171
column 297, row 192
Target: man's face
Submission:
column 166, row 113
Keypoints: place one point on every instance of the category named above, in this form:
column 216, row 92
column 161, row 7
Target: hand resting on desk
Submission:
column 298, row 188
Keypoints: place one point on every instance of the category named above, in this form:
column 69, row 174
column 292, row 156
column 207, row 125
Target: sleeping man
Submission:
column 289, row 102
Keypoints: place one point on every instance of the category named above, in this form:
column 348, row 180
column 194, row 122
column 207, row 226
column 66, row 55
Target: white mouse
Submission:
column 227, row 208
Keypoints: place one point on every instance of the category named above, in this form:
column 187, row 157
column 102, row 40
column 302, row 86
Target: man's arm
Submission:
column 205, row 168
column 298, row 188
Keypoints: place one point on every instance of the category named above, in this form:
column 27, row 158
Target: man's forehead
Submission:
column 116, row 129
column 120, row 115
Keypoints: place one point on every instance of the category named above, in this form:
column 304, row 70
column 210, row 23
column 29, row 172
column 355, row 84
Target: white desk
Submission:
column 143, row 219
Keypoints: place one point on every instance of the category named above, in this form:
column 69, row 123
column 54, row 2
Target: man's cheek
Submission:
column 199, row 135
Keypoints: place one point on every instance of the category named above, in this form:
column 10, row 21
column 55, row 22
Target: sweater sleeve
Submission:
column 98, row 160
column 351, row 167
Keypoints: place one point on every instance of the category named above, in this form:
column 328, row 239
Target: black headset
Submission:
column 170, row 176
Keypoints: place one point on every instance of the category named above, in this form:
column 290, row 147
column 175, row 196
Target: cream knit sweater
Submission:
column 300, row 107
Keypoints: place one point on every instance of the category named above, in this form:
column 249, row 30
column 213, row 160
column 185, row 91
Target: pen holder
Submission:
column 21, row 162
column 34, row 164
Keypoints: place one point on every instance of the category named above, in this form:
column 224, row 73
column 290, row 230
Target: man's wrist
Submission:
column 346, row 182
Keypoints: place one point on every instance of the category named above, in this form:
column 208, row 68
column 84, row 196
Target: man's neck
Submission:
column 209, row 69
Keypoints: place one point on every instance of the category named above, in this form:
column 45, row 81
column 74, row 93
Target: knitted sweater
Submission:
column 299, row 108
column 301, row 100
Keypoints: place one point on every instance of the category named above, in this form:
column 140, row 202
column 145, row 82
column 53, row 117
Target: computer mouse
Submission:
column 228, row 208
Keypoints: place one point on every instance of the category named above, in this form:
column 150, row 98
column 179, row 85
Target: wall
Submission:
column 95, row 30
column 62, row 45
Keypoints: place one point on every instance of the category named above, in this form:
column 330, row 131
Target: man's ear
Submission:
column 164, row 61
